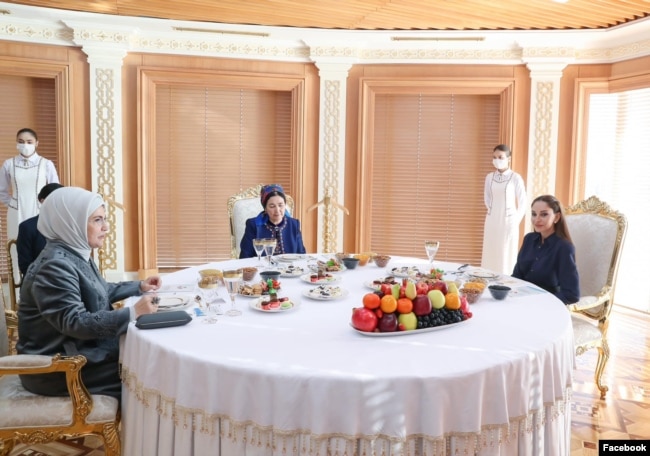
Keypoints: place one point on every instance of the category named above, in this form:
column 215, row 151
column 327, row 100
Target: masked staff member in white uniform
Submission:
column 21, row 179
column 506, row 203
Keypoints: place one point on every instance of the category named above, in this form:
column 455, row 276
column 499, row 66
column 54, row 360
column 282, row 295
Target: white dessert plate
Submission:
column 295, row 271
column 289, row 257
column 403, row 271
column 483, row 274
column 376, row 286
column 326, row 293
column 333, row 278
column 257, row 305
column 409, row 333
column 314, row 268
column 168, row 303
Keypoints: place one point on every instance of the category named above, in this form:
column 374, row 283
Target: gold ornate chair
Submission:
column 241, row 207
column 14, row 285
column 598, row 233
column 30, row 418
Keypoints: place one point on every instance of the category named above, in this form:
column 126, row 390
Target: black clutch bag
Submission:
column 163, row 319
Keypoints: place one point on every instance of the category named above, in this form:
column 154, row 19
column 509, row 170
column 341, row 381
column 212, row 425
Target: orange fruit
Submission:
column 452, row 301
column 371, row 301
column 388, row 304
column 404, row 305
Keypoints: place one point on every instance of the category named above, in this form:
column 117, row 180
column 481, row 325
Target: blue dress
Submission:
column 287, row 232
column 550, row 265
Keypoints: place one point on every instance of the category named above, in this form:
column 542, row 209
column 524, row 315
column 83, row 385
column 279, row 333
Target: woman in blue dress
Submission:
column 547, row 255
column 273, row 222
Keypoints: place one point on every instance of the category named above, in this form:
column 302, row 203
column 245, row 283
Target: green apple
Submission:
column 409, row 320
column 437, row 299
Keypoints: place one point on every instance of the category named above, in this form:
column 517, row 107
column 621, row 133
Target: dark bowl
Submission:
column 499, row 292
column 266, row 275
column 350, row 263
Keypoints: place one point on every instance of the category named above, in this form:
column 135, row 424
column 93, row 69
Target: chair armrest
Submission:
column 589, row 302
column 11, row 317
column 82, row 402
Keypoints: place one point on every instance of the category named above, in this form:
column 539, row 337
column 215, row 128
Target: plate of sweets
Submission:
column 320, row 277
column 377, row 283
column 291, row 271
column 404, row 271
column 326, row 293
column 273, row 304
column 255, row 290
column 331, row 265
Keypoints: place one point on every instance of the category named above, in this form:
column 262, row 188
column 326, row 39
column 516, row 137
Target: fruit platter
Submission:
column 326, row 293
column 273, row 304
column 320, row 277
column 410, row 308
column 255, row 290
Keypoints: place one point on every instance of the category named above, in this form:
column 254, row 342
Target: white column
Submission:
column 544, row 112
column 106, row 49
column 331, row 153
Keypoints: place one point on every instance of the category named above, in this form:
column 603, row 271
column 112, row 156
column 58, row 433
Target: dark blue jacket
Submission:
column 256, row 228
column 550, row 265
column 29, row 243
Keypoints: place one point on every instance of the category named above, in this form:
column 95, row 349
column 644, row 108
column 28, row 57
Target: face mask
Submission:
column 500, row 163
column 26, row 149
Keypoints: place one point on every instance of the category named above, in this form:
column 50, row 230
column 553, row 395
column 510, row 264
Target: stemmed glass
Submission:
column 233, row 280
column 269, row 248
column 208, row 292
column 432, row 248
column 258, row 245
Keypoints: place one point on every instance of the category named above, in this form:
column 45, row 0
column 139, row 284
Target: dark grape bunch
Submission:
column 440, row 317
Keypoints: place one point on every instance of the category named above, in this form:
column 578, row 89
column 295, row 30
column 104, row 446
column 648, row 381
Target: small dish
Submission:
column 404, row 271
column 266, row 275
column 325, row 293
column 499, row 292
column 257, row 305
column 329, row 278
column 168, row 303
column 351, row 263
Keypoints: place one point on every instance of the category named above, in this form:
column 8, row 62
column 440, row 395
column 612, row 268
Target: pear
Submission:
column 452, row 287
column 395, row 290
column 410, row 291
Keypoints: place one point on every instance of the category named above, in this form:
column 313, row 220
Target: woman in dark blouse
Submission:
column 547, row 256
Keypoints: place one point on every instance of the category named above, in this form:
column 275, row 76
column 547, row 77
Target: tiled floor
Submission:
column 624, row 414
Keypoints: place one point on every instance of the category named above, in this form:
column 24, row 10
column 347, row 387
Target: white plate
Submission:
column 483, row 274
column 403, row 271
column 253, row 295
column 256, row 305
column 289, row 257
column 317, row 293
column 168, row 303
column 374, row 286
column 295, row 272
column 314, row 268
column 187, row 287
column 408, row 333
column 332, row 279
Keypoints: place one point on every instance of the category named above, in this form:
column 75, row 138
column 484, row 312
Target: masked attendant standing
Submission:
column 506, row 203
column 22, row 177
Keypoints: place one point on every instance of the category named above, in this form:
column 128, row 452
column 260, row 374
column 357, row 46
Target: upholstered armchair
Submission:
column 241, row 207
column 598, row 233
column 30, row 418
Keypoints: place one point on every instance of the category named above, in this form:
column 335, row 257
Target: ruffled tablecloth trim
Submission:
column 304, row 442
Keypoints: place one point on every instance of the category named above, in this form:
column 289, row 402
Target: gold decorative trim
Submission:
column 331, row 154
column 542, row 136
column 302, row 441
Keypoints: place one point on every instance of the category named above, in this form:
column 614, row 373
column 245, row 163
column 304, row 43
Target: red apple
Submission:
column 386, row 288
column 388, row 322
column 364, row 319
column 439, row 285
column 421, row 288
column 421, row 305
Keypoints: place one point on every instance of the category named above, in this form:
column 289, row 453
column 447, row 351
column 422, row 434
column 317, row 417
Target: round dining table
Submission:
column 304, row 382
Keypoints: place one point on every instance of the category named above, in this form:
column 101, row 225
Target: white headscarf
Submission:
column 64, row 217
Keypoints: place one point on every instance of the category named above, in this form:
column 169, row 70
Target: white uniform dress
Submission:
column 21, row 179
column 506, row 202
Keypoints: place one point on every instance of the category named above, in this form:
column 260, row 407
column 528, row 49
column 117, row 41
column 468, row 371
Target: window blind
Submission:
column 616, row 171
column 212, row 143
column 431, row 155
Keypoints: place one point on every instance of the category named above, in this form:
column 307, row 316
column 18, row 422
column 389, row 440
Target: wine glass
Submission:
column 208, row 292
column 233, row 280
column 432, row 248
column 269, row 248
column 258, row 245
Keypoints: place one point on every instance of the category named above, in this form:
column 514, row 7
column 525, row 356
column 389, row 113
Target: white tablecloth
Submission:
column 304, row 382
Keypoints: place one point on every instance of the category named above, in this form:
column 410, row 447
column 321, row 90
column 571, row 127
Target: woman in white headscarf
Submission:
column 65, row 304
